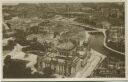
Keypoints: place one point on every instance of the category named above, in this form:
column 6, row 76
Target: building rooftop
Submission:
column 41, row 37
column 66, row 46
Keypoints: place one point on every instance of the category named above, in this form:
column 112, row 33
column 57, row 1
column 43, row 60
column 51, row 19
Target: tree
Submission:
column 34, row 29
column 15, row 69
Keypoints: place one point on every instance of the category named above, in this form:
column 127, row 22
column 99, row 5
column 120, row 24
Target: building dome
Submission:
column 66, row 46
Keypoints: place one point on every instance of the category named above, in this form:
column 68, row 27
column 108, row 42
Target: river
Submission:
column 96, row 43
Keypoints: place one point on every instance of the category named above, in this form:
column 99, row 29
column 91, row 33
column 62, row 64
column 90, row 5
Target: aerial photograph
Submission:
column 63, row 40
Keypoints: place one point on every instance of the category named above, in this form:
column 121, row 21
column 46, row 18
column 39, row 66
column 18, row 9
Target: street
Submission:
column 92, row 63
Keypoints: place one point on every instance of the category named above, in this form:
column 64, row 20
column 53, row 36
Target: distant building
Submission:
column 106, row 25
column 116, row 34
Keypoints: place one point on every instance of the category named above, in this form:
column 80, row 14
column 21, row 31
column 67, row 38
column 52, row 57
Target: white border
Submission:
column 65, row 1
column 1, row 72
column 69, row 79
column 58, row 1
column 126, row 38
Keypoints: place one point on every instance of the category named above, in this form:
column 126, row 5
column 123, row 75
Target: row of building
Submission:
column 114, row 34
column 110, row 67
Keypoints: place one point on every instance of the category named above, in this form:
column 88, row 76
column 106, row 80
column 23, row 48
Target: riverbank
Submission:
column 106, row 45
column 116, row 46
column 95, row 30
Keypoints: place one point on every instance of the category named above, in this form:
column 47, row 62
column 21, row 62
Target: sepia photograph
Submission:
column 63, row 40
